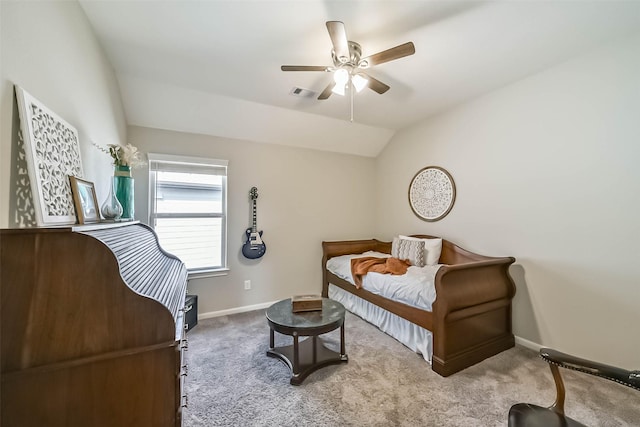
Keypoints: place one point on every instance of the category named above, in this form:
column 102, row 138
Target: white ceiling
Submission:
column 213, row 67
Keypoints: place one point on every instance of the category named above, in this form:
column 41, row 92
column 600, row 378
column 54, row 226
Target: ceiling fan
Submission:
column 349, row 65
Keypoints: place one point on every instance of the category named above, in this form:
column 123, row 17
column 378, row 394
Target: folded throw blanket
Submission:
column 361, row 266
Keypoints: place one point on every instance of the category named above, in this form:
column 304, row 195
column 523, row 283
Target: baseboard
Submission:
column 528, row 344
column 518, row 340
column 236, row 310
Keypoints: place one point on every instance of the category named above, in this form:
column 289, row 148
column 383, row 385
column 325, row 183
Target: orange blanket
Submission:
column 361, row 266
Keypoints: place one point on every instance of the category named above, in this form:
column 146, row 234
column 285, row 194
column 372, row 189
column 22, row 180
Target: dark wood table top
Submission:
column 282, row 319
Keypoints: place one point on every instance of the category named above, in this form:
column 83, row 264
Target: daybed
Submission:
column 470, row 318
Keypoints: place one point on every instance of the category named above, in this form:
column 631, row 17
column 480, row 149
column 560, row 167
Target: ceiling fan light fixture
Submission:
column 341, row 77
column 349, row 65
column 359, row 82
column 339, row 89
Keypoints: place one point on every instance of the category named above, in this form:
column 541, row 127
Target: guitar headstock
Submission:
column 253, row 193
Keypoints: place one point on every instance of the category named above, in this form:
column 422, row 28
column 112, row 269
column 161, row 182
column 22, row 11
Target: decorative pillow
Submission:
column 411, row 250
column 432, row 249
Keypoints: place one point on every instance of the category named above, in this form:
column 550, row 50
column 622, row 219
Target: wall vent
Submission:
column 302, row 93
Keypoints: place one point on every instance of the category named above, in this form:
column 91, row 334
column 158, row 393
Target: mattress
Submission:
column 415, row 288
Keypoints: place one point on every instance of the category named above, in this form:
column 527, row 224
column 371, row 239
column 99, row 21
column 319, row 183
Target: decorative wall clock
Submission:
column 432, row 193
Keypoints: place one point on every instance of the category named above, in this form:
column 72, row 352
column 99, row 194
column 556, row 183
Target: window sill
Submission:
column 208, row 273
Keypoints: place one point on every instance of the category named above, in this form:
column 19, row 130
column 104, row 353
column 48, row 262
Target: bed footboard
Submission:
column 472, row 314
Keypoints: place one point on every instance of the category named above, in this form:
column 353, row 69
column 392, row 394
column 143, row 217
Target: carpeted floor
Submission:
column 232, row 382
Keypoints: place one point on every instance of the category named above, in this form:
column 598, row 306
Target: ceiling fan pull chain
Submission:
column 351, row 96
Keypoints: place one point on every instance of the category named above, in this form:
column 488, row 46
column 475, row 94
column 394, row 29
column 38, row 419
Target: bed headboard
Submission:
column 451, row 253
column 347, row 247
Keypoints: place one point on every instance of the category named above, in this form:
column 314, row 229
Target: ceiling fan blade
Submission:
column 339, row 39
column 304, row 68
column 377, row 86
column 326, row 93
column 389, row 55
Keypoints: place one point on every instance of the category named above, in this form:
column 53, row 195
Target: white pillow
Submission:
column 432, row 248
column 413, row 251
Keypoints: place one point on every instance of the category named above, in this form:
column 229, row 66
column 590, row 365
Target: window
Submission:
column 188, row 209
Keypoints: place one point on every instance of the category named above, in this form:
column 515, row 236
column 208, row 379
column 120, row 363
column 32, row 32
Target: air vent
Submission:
column 302, row 93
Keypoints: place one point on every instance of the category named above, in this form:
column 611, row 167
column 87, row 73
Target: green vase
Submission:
column 123, row 183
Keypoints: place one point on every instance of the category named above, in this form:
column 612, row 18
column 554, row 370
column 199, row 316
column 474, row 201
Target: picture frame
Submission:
column 85, row 200
column 432, row 193
column 52, row 153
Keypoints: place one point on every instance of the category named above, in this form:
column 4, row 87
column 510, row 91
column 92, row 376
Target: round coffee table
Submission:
column 306, row 356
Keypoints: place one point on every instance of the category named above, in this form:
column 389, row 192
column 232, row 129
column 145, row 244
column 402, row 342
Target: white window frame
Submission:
column 194, row 164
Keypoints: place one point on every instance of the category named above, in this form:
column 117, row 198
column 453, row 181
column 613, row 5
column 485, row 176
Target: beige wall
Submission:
column 547, row 171
column 304, row 197
column 49, row 49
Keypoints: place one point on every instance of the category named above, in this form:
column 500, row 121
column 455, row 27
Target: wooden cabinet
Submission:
column 92, row 327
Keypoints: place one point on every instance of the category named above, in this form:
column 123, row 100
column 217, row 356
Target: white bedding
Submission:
column 415, row 288
column 411, row 335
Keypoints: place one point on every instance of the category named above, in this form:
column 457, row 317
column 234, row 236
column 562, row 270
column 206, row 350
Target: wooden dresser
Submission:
column 92, row 327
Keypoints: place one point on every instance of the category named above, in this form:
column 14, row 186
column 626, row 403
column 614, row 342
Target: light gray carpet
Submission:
column 232, row 382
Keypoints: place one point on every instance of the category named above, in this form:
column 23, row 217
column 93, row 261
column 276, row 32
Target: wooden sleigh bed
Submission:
column 471, row 317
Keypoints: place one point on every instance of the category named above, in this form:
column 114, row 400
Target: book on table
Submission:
column 310, row 302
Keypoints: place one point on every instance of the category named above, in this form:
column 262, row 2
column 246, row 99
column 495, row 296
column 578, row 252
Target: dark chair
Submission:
column 528, row 415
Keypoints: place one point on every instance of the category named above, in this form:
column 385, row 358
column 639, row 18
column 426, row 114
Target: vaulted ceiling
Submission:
column 213, row 67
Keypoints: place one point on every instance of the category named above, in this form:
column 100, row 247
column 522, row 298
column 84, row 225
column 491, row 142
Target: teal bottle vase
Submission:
column 123, row 183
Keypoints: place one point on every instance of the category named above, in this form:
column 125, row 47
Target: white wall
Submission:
column 546, row 170
column 304, row 197
column 49, row 49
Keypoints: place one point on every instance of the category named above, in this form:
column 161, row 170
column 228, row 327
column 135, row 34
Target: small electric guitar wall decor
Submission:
column 254, row 247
